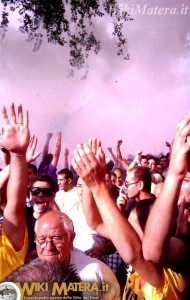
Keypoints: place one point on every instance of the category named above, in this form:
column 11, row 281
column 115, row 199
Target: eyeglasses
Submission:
column 128, row 184
column 42, row 242
column 45, row 191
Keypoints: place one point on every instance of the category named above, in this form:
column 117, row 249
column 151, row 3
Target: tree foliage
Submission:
column 67, row 22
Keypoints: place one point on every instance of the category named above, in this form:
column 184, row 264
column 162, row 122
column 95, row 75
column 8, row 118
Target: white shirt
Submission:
column 66, row 200
column 93, row 270
column 85, row 238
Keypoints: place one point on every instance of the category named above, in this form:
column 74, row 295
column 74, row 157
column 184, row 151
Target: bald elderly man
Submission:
column 54, row 243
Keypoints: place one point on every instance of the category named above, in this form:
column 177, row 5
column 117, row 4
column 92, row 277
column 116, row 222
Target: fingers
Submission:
column 20, row 114
column 4, row 116
column 80, row 160
column 25, row 119
column 12, row 114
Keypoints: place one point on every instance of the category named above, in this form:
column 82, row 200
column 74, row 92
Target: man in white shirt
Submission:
column 66, row 197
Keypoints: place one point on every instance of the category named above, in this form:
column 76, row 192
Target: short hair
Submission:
column 143, row 174
column 33, row 167
column 154, row 158
column 110, row 165
column 63, row 219
column 144, row 156
column 113, row 174
column 163, row 156
column 108, row 172
column 119, row 169
column 44, row 271
column 45, row 178
column 68, row 174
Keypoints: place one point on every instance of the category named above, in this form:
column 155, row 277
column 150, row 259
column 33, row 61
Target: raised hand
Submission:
column 181, row 148
column 66, row 151
column 31, row 155
column 119, row 143
column 168, row 144
column 90, row 163
column 15, row 133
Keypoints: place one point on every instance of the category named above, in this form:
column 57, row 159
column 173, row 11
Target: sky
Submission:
column 139, row 101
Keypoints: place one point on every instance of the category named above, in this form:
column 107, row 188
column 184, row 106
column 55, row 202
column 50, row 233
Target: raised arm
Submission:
column 65, row 158
column 157, row 240
column 46, row 145
column 15, row 138
column 119, row 155
column 122, row 234
column 116, row 163
column 57, row 150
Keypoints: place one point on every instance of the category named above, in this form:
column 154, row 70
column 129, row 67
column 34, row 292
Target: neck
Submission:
column 143, row 195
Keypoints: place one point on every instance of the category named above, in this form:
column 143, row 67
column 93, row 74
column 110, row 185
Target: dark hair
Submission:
column 119, row 169
column 108, row 172
column 154, row 158
column 143, row 174
column 144, row 156
column 113, row 174
column 110, row 165
column 47, row 159
column 33, row 167
column 163, row 156
column 68, row 174
column 43, row 271
column 45, row 178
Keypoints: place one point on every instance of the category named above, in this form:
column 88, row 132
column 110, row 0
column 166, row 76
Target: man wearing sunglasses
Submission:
column 42, row 193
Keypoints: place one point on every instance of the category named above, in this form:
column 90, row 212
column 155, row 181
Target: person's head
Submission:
column 119, row 176
column 44, row 271
column 139, row 214
column 138, row 181
column 152, row 164
column 47, row 159
column 110, row 165
column 144, row 161
column 129, row 159
column 43, row 192
column 159, row 169
column 113, row 179
column 65, row 180
column 108, row 179
column 32, row 173
column 164, row 161
column 79, row 188
column 54, row 237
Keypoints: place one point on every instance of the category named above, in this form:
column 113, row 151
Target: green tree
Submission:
column 67, row 22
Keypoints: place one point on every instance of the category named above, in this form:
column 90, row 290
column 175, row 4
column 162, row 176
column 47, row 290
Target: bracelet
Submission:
column 4, row 150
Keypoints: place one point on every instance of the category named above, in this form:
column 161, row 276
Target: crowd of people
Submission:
column 115, row 220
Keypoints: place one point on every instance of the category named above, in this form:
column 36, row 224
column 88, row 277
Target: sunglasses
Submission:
column 47, row 192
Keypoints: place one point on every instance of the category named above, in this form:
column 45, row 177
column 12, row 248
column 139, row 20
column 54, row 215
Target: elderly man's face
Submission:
column 52, row 241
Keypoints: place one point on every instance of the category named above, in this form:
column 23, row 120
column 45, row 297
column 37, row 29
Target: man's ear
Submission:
column 141, row 185
column 70, row 180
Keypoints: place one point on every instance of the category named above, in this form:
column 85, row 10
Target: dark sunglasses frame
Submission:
column 35, row 191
